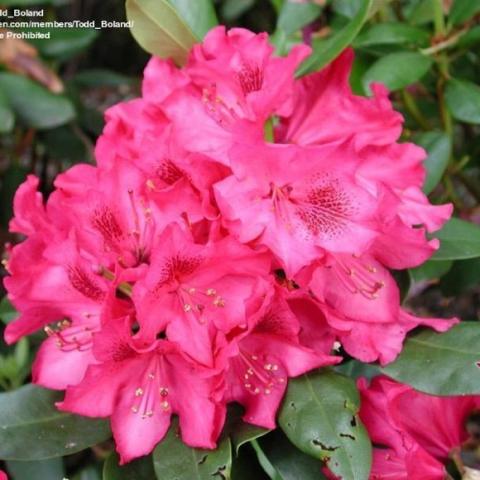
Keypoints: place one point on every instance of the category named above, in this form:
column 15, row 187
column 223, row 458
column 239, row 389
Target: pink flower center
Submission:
column 152, row 395
column 70, row 338
column 260, row 375
column 357, row 276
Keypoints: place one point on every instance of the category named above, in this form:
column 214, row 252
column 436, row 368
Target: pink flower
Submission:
column 201, row 289
column 298, row 202
column 360, row 300
column 326, row 111
column 230, row 86
column 414, row 433
column 262, row 359
column 140, row 388
column 3, row 475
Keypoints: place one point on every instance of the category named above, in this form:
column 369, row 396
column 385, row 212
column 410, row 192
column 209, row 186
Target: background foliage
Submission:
column 52, row 97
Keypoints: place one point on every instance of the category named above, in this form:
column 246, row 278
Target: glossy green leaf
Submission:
column 392, row 34
column 140, row 469
column 398, row 70
column 7, row 119
column 289, row 462
column 40, row 470
column 63, row 42
column 243, row 433
column 463, row 275
column 31, row 428
column 294, row 16
column 430, row 271
column 355, row 369
column 438, row 147
column 7, row 312
column 199, row 15
column 320, row 417
column 463, row 10
column 441, row 363
column 463, row 100
column 329, row 49
column 458, row 240
column 173, row 460
column 159, row 29
column 33, row 104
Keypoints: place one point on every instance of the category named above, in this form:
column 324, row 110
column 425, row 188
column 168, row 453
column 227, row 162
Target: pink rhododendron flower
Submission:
column 414, row 433
column 298, row 202
column 197, row 264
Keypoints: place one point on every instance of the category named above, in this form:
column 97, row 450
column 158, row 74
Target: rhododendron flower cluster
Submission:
column 202, row 261
column 416, row 434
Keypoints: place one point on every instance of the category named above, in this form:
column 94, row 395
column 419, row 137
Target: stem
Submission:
column 413, row 109
column 438, row 18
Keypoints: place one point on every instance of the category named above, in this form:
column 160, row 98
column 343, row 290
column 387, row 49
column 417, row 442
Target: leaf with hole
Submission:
column 320, row 417
column 174, row 460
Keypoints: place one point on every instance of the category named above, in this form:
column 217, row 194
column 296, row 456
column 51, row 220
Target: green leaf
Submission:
column 392, row 34
column 398, row 70
column 463, row 10
column 463, row 275
column 31, row 428
column 7, row 312
column 431, row 270
column 7, row 119
column 63, row 42
column 140, row 469
column 159, row 29
column 439, row 146
column 39, row 470
column 470, row 38
column 458, row 240
column 199, row 15
column 329, row 49
column 320, row 417
column 290, row 463
column 421, row 13
column 441, row 363
column 243, row 433
column 355, row 369
column 294, row 16
column 463, row 100
column 33, row 104
column 173, row 460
